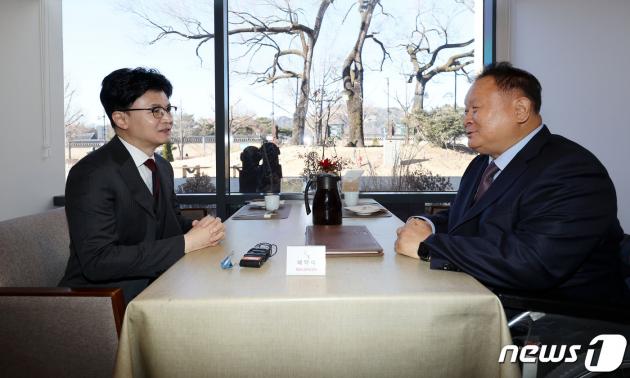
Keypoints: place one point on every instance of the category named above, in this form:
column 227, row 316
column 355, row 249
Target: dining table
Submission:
column 368, row 316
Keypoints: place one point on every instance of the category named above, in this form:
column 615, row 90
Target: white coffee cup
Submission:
column 272, row 202
column 351, row 198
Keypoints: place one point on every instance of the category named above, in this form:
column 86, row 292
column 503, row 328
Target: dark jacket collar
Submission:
column 131, row 176
column 512, row 171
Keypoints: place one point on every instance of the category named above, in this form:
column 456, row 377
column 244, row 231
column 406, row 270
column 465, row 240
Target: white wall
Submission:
column 31, row 106
column 579, row 50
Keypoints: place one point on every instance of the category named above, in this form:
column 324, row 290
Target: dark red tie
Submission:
column 486, row 180
column 150, row 163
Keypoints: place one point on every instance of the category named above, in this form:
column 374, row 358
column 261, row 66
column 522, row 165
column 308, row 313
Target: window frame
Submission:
column 223, row 198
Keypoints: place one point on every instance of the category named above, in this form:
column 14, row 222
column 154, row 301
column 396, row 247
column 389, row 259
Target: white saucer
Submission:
column 365, row 209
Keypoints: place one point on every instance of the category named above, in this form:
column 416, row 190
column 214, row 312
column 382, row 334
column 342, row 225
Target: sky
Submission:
column 102, row 35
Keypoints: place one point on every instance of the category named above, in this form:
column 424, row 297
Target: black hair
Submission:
column 250, row 157
column 122, row 87
column 509, row 78
column 269, row 151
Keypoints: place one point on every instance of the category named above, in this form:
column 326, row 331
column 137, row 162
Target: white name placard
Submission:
column 306, row 260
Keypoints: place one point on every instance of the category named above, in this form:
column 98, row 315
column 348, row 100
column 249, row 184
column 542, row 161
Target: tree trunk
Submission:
column 352, row 74
column 180, row 147
column 299, row 117
column 418, row 97
column 423, row 73
column 308, row 45
column 418, row 105
column 274, row 132
column 355, row 114
column 319, row 118
column 318, row 132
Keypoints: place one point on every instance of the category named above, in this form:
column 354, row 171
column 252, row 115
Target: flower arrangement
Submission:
column 313, row 164
column 332, row 165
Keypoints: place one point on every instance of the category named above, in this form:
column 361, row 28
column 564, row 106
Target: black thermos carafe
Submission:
column 327, row 202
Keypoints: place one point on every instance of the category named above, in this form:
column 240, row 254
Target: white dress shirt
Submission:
column 139, row 158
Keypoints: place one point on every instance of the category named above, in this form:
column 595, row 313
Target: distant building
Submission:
column 284, row 122
column 400, row 129
column 86, row 136
column 336, row 129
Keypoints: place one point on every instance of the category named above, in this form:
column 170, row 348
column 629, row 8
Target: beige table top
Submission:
column 369, row 316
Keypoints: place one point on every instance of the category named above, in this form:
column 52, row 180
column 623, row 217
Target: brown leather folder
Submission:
column 344, row 240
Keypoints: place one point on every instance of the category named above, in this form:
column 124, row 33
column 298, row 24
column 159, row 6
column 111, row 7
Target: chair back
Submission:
column 49, row 331
column 59, row 332
column 34, row 249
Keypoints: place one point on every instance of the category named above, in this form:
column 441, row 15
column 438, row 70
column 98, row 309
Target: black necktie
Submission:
column 486, row 180
column 150, row 163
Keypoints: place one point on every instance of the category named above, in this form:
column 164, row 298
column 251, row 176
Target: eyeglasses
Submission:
column 157, row 111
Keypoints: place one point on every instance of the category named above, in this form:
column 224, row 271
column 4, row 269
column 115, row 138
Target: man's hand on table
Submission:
column 206, row 232
column 410, row 236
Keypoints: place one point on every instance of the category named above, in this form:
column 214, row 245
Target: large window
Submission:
column 379, row 86
column 101, row 36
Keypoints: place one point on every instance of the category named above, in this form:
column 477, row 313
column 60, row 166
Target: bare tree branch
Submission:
column 260, row 32
column 352, row 74
column 469, row 4
column 383, row 49
column 435, row 53
column 70, row 117
column 424, row 58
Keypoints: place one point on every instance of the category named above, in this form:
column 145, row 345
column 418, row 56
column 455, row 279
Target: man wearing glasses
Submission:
column 123, row 216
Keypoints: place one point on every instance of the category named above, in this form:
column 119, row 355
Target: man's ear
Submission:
column 522, row 109
column 120, row 119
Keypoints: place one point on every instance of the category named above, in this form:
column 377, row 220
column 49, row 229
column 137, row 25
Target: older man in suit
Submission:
column 123, row 216
column 534, row 211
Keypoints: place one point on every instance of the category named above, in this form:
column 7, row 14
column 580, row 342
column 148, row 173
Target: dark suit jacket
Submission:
column 548, row 222
column 117, row 237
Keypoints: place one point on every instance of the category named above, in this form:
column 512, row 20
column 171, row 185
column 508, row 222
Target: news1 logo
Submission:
column 611, row 351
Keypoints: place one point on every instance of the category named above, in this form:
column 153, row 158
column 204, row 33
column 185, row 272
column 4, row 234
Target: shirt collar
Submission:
column 138, row 156
column 506, row 157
